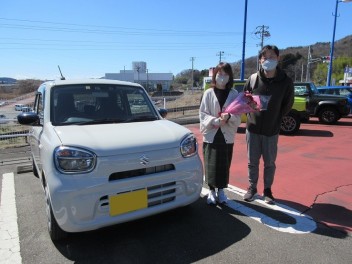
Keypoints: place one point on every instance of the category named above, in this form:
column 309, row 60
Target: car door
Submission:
column 36, row 130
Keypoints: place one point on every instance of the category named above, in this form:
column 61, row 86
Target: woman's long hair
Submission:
column 226, row 67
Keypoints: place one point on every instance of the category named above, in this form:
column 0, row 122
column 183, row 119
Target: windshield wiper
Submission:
column 100, row 121
column 142, row 118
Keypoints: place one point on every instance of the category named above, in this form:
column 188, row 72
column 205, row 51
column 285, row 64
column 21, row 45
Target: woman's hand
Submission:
column 224, row 118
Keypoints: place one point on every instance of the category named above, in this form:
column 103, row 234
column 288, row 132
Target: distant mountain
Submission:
column 295, row 58
column 342, row 48
column 6, row 80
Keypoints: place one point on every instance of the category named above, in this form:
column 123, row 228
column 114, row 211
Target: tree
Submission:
column 185, row 78
column 27, row 86
column 339, row 65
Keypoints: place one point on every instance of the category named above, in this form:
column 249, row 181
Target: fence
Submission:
column 13, row 134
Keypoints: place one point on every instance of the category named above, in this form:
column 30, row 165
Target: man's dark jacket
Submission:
column 281, row 89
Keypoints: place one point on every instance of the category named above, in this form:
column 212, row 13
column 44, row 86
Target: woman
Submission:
column 218, row 130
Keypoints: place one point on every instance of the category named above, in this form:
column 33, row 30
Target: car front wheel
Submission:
column 290, row 124
column 55, row 232
column 328, row 115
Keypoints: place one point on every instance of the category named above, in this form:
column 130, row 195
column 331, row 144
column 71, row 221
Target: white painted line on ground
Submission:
column 9, row 237
column 304, row 224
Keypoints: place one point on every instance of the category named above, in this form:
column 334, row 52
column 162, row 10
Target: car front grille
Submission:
column 140, row 172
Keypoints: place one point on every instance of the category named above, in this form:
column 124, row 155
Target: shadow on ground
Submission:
column 179, row 236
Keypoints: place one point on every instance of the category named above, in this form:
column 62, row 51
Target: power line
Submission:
column 98, row 29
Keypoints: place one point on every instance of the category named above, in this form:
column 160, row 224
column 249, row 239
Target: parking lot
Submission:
column 313, row 170
column 311, row 223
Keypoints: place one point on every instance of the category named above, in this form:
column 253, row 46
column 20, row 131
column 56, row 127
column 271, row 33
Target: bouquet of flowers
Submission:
column 247, row 103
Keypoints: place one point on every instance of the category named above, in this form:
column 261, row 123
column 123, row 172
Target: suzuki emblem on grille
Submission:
column 144, row 160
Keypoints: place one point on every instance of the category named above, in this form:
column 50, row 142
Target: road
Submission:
column 310, row 224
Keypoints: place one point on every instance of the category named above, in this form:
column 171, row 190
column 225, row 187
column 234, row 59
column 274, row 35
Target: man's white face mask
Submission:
column 269, row 64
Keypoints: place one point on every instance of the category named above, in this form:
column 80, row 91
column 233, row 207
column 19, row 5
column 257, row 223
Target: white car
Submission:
column 18, row 107
column 26, row 109
column 3, row 119
column 102, row 161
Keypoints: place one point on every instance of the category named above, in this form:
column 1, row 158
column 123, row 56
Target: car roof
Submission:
column 335, row 87
column 89, row 81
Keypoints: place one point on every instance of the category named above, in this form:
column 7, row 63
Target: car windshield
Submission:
column 345, row 90
column 91, row 104
column 314, row 89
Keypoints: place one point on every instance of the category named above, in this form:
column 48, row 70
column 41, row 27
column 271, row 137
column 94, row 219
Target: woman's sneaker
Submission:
column 211, row 197
column 222, row 198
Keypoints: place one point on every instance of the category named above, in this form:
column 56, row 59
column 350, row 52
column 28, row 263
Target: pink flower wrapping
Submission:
column 246, row 103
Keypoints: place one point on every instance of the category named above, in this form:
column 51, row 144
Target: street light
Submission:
column 328, row 81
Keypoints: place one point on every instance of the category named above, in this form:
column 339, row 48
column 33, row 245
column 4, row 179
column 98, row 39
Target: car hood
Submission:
column 123, row 138
column 330, row 97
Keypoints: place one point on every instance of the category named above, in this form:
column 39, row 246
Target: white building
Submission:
column 347, row 77
column 139, row 74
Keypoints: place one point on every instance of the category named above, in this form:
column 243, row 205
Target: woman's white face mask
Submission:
column 222, row 80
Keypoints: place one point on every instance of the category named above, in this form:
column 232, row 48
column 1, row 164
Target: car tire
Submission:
column 35, row 171
column 328, row 115
column 290, row 124
column 55, row 232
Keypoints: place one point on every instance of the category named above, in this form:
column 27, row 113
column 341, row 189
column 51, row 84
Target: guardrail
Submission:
column 13, row 134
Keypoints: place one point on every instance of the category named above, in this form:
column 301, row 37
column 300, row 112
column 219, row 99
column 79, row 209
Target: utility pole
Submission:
column 147, row 81
column 220, row 54
column 138, row 67
column 310, row 60
column 308, row 63
column 263, row 32
column 192, row 60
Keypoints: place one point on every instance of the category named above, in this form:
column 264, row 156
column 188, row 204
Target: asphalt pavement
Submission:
column 313, row 171
column 311, row 223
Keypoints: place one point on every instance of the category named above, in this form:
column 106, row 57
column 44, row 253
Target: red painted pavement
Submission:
column 313, row 170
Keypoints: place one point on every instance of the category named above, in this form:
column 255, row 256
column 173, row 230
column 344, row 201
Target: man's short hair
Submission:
column 268, row 47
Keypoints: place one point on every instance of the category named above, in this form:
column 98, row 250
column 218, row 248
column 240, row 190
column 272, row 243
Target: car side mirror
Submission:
column 29, row 119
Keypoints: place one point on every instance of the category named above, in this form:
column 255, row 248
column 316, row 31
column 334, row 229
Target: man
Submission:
column 263, row 127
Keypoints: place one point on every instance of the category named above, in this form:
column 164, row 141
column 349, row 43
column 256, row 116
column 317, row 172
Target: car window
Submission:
column 337, row 91
column 95, row 103
column 300, row 90
column 40, row 106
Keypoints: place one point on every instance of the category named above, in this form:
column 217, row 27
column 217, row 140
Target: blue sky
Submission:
column 89, row 38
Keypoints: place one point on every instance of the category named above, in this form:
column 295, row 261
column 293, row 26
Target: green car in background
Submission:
column 292, row 121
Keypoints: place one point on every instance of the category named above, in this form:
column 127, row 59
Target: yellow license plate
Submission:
column 128, row 202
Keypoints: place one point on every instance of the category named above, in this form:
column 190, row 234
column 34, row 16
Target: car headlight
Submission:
column 189, row 146
column 74, row 160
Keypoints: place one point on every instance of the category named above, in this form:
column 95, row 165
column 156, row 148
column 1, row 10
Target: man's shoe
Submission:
column 222, row 198
column 211, row 197
column 249, row 196
column 268, row 196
